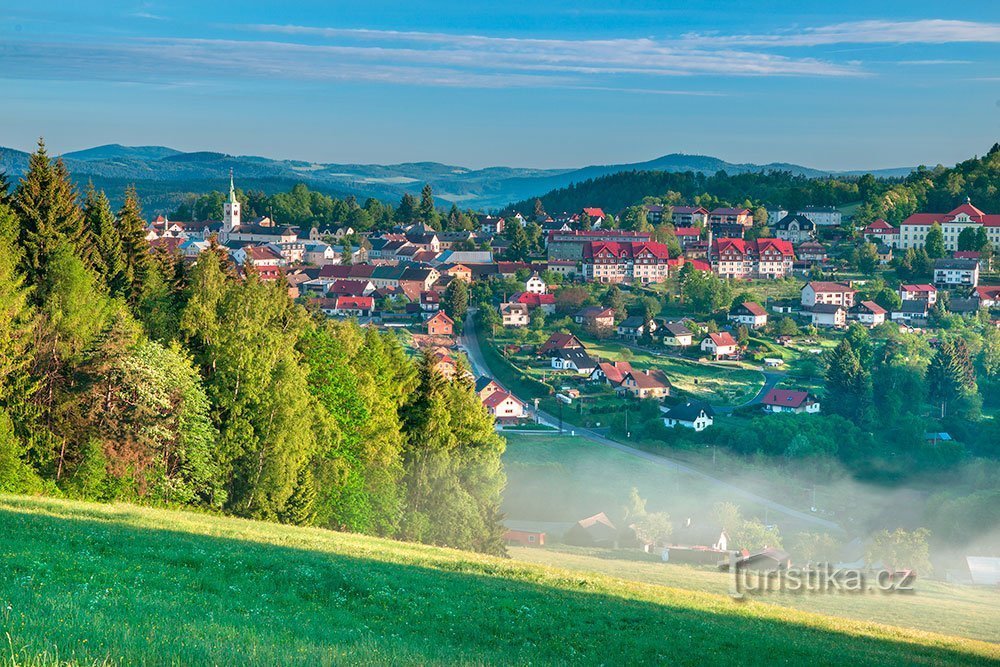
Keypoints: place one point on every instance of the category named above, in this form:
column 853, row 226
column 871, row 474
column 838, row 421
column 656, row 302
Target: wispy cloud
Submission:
column 934, row 62
column 926, row 31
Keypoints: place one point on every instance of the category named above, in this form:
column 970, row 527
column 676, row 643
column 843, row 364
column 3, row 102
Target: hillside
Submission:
column 164, row 175
column 98, row 584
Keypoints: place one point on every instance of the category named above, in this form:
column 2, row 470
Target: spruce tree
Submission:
column 848, row 384
column 110, row 262
column 407, row 211
column 426, row 211
column 45, row 202
column 135, row 249
column 456, row 300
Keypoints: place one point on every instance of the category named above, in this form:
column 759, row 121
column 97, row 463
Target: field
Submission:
column 115, row 584
column 965, row 611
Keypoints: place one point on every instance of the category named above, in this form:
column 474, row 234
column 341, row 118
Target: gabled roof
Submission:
column 722, row 339
column 869, row 306
column 913, row 307
column 633, row 322
column 677, row 329
column 956, row 264
column 355, row 303
column 498, row 397
column 687, row 231
column 652, row 378
column 988, row 292
column 616, row 371
column 689, row 210
column 559, row 341
column 789, row 398
column 690, row 411
column 440, row 316
column 750, row 307
column 577, row 355
column 880, row 226
column 827, row 308
column 804, row 222
column 819, row 286
column 595, row 312
column 921, row 288
column 534, row 300
column 482, row 382
column 594, row 211
column 625, row 249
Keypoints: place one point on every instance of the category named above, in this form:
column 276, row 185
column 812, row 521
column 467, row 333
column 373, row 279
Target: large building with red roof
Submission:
column 913, row 230
column 625, row 262
column 763, row 258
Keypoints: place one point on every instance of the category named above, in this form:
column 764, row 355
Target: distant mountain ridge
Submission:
column 164, row 176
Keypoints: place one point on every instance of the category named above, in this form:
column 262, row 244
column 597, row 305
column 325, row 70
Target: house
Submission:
column 430, row 301
column 868, row 313
column 811, row 253
column 514, row 314
column 676, row 334
column 695, row 415
column 440, row 324
column 354, row 306
column 596, row 318
column 761, row 258
column 956, row 272
column 594, row 531
column 796, row 228
column 825, row 216
column 731, row 216
column 654, row 213
column 816, row 292
column 882, row 232
column 687, row 236
column 960, row 306
column 913, row 230
column 650, row 383
column 458, row 271
column 911, row 311
column 486, row 386
column 989, row 296
column 828, row 315
column 504, row 406
column 719, row 344
column 595, row 213
column 635, row 327
column 688, row 216
column 884, row 253
column 611, row 372
column 560, row 341
column 491, row 224
column 546, row 302
column 790, row 400
column 575, row 359
column 535, row 285
column 750, row 314
column 524, row 538
column 926, row 293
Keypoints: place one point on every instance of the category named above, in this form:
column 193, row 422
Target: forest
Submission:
column 134, row 376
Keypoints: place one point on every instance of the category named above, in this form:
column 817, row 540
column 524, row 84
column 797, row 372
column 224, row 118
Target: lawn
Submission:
column 966, row 611
column 90, row 584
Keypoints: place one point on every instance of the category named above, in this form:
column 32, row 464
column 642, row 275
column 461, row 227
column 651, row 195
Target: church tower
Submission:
column 231, row 215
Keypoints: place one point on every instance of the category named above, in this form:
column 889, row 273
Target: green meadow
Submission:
column 88, row 584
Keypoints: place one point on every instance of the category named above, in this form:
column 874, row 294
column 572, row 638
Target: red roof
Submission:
column 594, row 211
column 615, row 372
column 687, row 231
column 534, row 300
column 758, row 247
column 989, row 292
column 917, row 288
column 754, row 308
column 880, row 226
column 700, row 265
column 789, row 398
column 967, row 254
column 349, row 287
column 874, row 308
column 355, row 303
column 649, row 379
column 722, row 339
column 823, row 286
column 441, row 316
column 498, row 397
column 559, row 341
column 967, row 208
column 625, row 250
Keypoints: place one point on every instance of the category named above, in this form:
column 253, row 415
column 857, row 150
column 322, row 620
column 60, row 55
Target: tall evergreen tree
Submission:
column 100, row 220
column 407, row 210
column 426, row 211
column 455, row 300
column 45, row 202
column 135, row 249
column 950, row 374
column 849, row 384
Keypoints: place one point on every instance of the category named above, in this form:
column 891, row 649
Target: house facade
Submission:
column 719, row 345
column 956, row 272
column 749, row 314
column 615, row 262
column 763, row 258
column 790, row 400
column 913, row 230
column 817, row 292
column 695, row 415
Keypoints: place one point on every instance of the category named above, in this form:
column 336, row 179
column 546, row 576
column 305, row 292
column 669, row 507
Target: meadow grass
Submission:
column 961, row 610
column 117, row 584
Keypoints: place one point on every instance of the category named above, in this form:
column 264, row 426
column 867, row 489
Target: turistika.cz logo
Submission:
column 813, row 578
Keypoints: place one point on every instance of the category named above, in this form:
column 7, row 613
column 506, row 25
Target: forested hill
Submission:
column 776, row 188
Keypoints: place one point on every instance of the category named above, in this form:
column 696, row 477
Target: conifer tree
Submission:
column 109, row 261
column 45, row 202
column 135, row 249
column 849, row 384
column 950, row 374
column 426, row 211
column 455, row 300
column 407, row 210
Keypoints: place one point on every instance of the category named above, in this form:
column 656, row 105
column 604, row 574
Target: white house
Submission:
column 514, row 314
column 956, row 272
column 920, row 292
column 868, row 313
column 790, row 400
column 828, row 315
column 573, row 359
column 535, row 285
column 827, row 292
column 676, row 334
column 693, row 414
column 719, row 344
column 504, row 406
column 750, row 314
column 821, row 215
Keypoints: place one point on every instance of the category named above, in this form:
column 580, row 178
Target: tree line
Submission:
column 132, row 375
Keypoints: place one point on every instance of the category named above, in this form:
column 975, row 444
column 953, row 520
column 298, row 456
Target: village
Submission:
column 610, row 333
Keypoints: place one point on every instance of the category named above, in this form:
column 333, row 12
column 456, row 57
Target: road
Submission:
column 470, row 342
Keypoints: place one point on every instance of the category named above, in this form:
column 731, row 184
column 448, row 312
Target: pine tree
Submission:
column 426, row 211
column 45, row 202
column 950, row 374
column 135, row 249
column 407, row 210
column 849, row 384
column 455, row 300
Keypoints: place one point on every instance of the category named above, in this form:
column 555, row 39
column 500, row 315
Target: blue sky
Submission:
column 836, row 85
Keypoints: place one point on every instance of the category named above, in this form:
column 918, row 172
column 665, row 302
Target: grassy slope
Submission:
column 87, row 583
column 966, row 611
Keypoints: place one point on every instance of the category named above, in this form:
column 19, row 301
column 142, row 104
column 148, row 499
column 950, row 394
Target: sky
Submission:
column 835, row 85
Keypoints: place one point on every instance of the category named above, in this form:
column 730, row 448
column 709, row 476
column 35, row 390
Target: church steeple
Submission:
column 231, row 209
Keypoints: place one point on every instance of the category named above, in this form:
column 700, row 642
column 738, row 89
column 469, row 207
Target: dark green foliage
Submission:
column 455, row 300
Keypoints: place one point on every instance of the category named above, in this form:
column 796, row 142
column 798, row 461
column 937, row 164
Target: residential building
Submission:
column 795, row 228
column 440, row 324
column 676, row 334
column 882, row 232
column 547, row 302
column 956, row 272
column 922, row 292
column 811, row 253
column 596, row 319
column 514, row 314
column 817, row 291
column 775, row 214
column 649, row 383
column 687, row 236
column 689, row 216
column 575, row 359
column 504, row 406
column 559, row 341
column 719, row 345
column 695, row 415
column 570, row 244
column 654, row 213
column 749, row 314
column 625, row 262
column 430, row 301
column 989, row 296
column 611, row 372
column 762, row 258
column 824, row 216
column 868, row 313
column 486, row 386
column 912, row 312
column 731, row 216
column 535, row 285
column 354, row 306
column 790, row 400
column 635, row 327
column 828, row 315
column 913, row 230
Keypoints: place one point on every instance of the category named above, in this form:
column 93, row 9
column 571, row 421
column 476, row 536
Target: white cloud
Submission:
column 926, row 31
